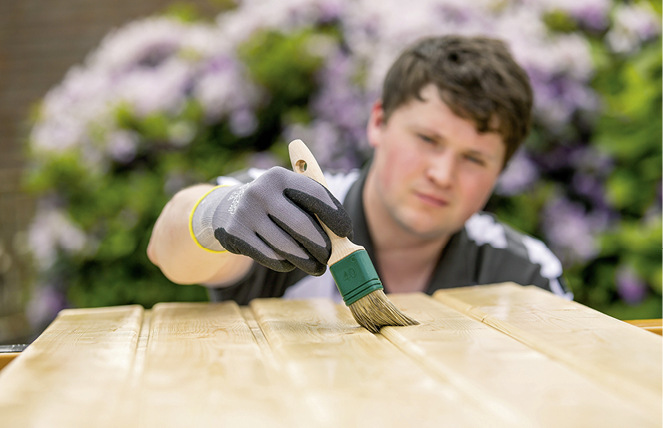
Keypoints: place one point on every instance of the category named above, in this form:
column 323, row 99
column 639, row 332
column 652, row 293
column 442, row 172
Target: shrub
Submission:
column 163, row 103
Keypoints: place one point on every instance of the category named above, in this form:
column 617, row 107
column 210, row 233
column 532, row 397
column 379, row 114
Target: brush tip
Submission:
column 375, row 311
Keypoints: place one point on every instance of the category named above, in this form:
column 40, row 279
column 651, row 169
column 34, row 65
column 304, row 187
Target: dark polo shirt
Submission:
column 485, row 251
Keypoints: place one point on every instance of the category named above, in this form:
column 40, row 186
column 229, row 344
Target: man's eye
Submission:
column 426, row 138
column 475, row 159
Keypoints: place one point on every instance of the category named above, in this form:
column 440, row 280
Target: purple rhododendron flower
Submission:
column 571, row 230
column 520, row 174
column 630, row 287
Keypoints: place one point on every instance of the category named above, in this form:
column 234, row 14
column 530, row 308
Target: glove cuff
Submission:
column 201, row 216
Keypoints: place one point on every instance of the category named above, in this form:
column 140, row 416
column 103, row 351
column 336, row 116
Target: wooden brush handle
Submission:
column 303, row 162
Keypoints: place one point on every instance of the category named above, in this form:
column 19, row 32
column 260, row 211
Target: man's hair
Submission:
column 476, row 77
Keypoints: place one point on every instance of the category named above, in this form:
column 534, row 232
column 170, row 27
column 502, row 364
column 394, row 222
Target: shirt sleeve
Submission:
column 260, row 282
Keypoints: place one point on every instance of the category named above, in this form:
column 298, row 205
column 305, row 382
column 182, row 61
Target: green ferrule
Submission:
column 355, row 276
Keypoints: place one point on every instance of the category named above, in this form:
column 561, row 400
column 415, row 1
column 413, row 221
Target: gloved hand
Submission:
column 272, row 220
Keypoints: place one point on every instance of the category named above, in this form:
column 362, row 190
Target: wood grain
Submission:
column 622, row 357
column 203, row 367
column 351, row 377
column 74, row 373
column 505, row 356
column 528, row 387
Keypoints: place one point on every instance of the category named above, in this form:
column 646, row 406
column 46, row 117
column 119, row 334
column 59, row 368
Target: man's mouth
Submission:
column 434, row 200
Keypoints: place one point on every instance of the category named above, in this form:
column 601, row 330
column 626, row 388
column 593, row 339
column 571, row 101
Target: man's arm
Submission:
column 273, row 220
column 172, row 249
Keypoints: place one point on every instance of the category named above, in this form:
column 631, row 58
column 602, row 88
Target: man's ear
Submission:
column 375, row 124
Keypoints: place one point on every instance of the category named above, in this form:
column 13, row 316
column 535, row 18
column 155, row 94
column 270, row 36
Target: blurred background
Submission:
column 108, row 108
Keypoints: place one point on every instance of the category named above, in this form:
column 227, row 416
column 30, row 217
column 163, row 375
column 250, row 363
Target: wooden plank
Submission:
column 73, row 373
column 533, row 389
column 620, row 356
column 128, row 409
column 7, row 357
column 307, row 363
column 652, row 325
column 203, row 368
column 348, row 376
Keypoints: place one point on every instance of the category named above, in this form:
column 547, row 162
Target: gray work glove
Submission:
column 272, row 220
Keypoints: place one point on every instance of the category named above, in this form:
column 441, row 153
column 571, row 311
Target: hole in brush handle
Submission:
column 300, row 165
column 303, row 162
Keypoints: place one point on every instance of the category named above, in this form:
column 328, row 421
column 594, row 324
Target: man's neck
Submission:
column 407, row 269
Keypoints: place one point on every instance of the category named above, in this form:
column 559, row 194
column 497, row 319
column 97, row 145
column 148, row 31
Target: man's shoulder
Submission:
column 485, row 230
column 500, row 247
column 339, row 183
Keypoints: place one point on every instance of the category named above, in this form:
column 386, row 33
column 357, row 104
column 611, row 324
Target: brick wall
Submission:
column 39, row 41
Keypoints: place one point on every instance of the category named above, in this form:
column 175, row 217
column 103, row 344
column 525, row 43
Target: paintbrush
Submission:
column 352, row 269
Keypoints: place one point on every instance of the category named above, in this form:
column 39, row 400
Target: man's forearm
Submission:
column 173, row 250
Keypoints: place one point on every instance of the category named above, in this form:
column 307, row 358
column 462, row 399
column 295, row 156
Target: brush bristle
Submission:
column 375, row 311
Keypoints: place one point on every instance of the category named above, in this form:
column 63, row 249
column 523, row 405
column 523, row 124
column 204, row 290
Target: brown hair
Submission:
column 476, row 77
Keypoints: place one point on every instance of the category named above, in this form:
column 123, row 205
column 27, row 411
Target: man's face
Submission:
column 431, row 169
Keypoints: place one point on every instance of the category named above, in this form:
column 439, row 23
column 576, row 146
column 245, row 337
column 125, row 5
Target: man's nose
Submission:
column 442, row 168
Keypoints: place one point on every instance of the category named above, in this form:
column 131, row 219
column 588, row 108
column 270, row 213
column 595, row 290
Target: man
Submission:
column 453, row 111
